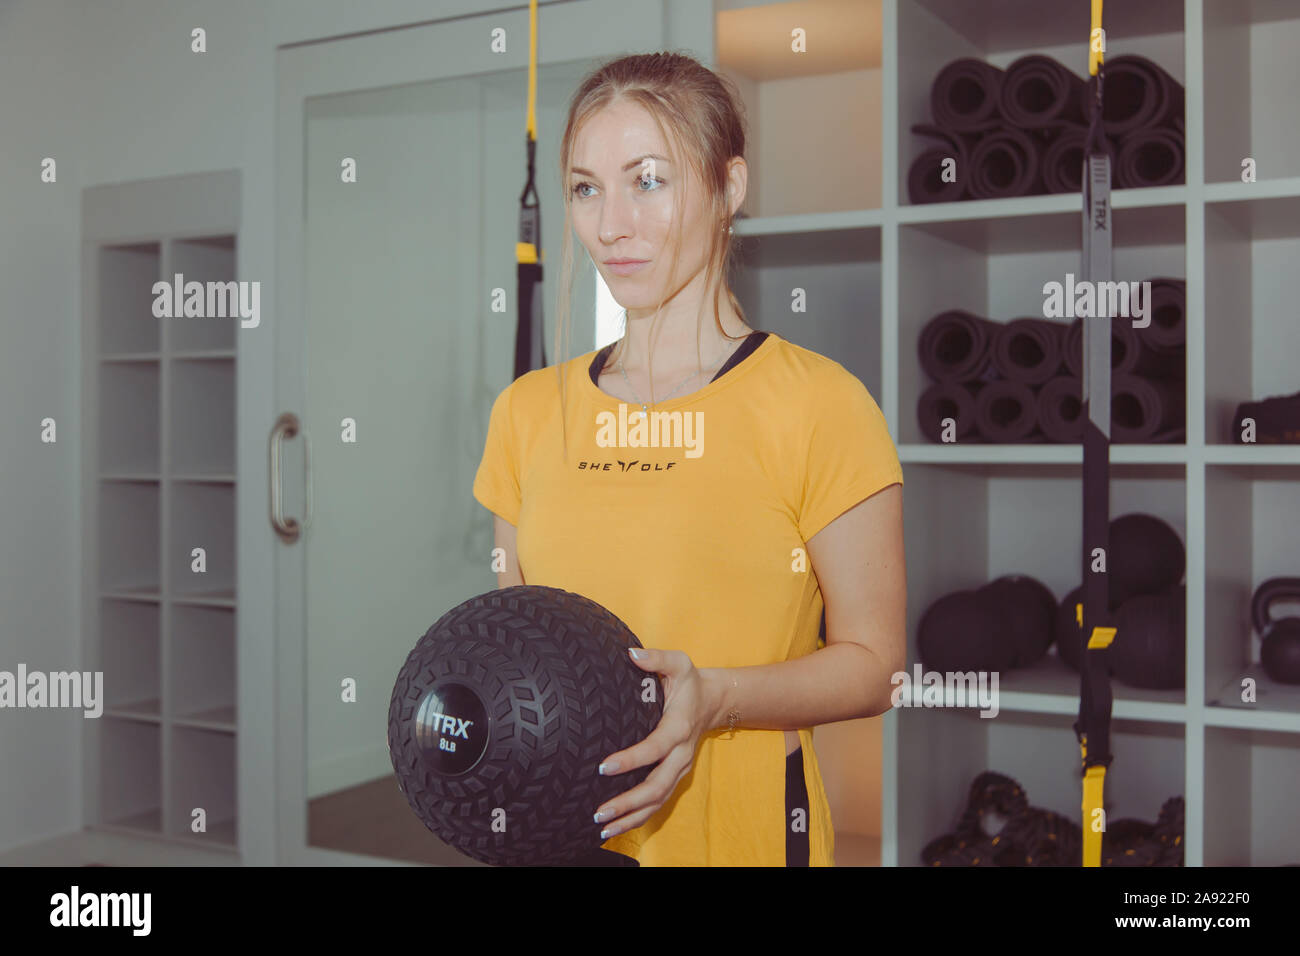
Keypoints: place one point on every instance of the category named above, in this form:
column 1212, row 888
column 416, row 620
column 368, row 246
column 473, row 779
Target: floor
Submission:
column 394, row 832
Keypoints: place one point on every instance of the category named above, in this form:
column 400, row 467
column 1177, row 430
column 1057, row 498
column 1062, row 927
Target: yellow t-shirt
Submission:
column 691, row 536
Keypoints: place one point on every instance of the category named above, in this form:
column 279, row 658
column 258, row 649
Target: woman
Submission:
column 690, row 476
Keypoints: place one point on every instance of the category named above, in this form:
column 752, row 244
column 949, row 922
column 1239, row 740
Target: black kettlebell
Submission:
column 1279, row 651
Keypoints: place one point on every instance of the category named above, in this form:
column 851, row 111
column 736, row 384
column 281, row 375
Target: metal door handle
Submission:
column 288, row 426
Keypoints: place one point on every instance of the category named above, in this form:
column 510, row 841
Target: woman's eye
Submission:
column 649, row 179
column 578, row 187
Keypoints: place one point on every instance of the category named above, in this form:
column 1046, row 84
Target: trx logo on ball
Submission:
column 451, row 725
column 443, row 736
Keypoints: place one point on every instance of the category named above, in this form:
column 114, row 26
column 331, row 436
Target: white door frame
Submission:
column 459, row 46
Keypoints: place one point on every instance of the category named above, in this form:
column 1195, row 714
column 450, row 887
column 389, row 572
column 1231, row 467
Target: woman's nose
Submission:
column 615, row 221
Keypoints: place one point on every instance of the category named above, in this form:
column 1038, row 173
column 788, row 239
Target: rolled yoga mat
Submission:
column 1139, row 94
column 1142, row 410
column 964, row 96
column 1145, row 410
column 924, row 177
column 1006, row 163
column 1062, row 166
column 1149, row 157
column 953, row 400
column 1131, row 351
column 1039, row 91
column 1006, row 412
column 1060, row 409
column 1029, row 350
column 957, row 346
column 1167, row 333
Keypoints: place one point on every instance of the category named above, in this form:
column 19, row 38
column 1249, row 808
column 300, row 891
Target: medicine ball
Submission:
column 1279, row 651
column 1150, row 646
column 1028, row 608
column 963, row 632
column 1145, row 556
column 501, row 715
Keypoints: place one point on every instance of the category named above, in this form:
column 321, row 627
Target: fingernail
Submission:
column 607, row 768
column 637, row 653
column 604, row 834
column 599, row 814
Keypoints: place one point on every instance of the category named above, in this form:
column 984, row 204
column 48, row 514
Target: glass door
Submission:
column 393, row 357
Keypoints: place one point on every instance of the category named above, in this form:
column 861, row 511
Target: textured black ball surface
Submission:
column 501, row 715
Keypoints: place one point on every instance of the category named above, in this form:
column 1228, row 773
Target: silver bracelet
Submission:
column 733, row 715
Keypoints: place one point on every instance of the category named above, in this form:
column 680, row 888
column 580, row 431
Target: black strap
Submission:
column 752, row 341
column 1093, row 725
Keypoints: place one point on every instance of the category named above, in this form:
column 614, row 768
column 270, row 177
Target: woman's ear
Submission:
column 737, row 181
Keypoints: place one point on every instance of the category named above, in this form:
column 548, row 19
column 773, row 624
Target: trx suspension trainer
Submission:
column 529, row 351
column 1093, row 725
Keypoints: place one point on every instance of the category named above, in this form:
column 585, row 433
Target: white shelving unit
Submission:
column 873, row 276
column 158, row 482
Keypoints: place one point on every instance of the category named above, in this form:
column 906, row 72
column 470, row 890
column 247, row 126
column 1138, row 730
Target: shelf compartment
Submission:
column 203, row 666
column 1251, row 779
column 126, row 276
column 1252, row 523
column 130, row 778
column 204, row 260
column 129, row 514
column 839, row 273
column 1251, row 248
column 202, row 408
column 982, row 509
column 128, row 416
column 825, row 104
column 202, row 516
column 1251, row 75
column 203, row 775
column 933, row 33
column 997, row 269
column 941, row 750
column 131, row 654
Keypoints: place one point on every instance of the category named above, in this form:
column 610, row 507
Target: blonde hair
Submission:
column 697, row 114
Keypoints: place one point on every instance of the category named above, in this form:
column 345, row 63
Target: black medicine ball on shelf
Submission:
column 1067, row 633
column 1145, row 556
column 501, row 715
column 964, row 631
column 1150, row 647
column 1028, row 608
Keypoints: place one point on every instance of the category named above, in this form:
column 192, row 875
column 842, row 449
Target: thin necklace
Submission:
column 644, row 406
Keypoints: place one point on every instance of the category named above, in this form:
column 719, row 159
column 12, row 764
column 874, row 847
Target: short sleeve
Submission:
column 496, row 485
column 850, row 455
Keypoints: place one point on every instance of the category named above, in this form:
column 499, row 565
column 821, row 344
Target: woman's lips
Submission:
column 626, row 268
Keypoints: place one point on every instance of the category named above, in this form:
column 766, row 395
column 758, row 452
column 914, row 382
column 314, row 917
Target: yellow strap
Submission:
column 1093, row 787
column 532, row 70
column 1101, row 637
column 1078, row 614
column 1095, row 54
column 525, row 252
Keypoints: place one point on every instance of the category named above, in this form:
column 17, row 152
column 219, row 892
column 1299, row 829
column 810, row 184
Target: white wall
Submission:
column 113, row 93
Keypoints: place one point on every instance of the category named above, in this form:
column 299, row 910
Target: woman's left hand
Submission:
column 688, row 711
